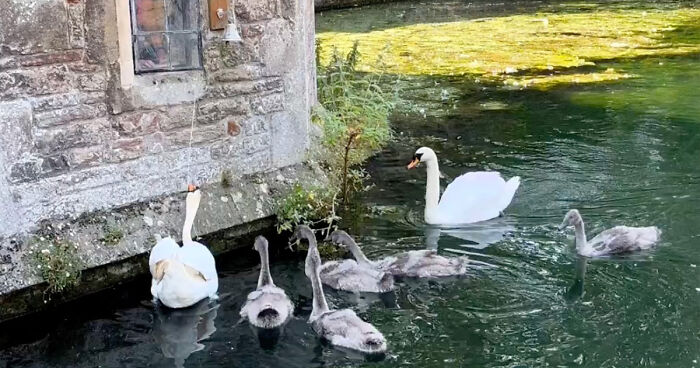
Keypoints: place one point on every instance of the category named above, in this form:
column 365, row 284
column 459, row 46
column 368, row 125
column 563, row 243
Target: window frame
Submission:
column 166, row 32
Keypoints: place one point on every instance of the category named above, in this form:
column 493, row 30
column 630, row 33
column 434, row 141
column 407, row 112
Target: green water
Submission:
column 626, row 152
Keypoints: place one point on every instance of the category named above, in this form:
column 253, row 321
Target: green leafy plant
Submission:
column 354, row 116
column 312, row 205
column 57, row 263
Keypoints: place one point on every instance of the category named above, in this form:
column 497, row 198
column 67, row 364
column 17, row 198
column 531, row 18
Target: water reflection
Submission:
column 576, row 290
column 180, row 332
column 477, row 236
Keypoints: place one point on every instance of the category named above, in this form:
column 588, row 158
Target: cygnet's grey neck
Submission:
column 265, row 277
column 579, row 229
column 320, row 305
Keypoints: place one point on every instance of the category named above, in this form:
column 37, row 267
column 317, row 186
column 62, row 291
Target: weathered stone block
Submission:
column 267, row 104
column 139, row 123
column 61, row 100
column 213, row 111
column 92, row 82
column 54, row 165
column 155, row 143
column 245, row 87
column 25, row 171
column 35, row 81
column 256, row 125
column 76, row 20
column 22, row 61
column 255, row 10
column 15, row 129
column 204, row 134
column 34, row 27
column 256, row 143
column 82, row 157
column 70, row 113
column 176, row 117
column 82, row 134
column 126, row 149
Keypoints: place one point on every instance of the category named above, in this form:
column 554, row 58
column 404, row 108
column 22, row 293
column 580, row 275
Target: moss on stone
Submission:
column 543, row 49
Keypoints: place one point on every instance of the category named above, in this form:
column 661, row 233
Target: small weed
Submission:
column 113, row 235
column 57, row 263
column 225, row 179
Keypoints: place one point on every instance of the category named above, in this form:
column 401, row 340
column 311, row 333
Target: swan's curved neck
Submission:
column 265, row 277
column 432, row 191
column 320, row 305
column 581, row 242
column 191, row 206
column 358, row 254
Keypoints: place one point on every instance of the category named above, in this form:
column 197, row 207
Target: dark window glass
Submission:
column 166, row 35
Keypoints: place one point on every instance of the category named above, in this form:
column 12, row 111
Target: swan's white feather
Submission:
column 476, row 196
column 166, row 248
column 198, row 256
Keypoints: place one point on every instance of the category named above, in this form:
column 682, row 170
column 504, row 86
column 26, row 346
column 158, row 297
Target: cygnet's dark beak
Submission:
column 563, row 225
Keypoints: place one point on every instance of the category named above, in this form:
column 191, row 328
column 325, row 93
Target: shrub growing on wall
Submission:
column 353, row 114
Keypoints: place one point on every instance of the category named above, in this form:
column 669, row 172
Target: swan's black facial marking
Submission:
column 415, row 161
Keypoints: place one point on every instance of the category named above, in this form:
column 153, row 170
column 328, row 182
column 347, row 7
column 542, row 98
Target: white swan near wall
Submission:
column 472, row 197
column 183, row 276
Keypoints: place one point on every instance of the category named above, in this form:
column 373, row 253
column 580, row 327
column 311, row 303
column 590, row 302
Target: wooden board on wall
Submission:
column 216, row 23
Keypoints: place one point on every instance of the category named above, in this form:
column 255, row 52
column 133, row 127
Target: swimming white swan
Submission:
column 342, row 327
column 268, row 306
column 619, row 239
column 415, row 263
column 182, row 276
column 472, row 197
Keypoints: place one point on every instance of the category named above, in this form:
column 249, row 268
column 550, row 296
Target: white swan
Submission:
column 182, row 276
column 619, row 239
column 342, row 327
column 415, row 263
column 472, row 197
column 268, row 306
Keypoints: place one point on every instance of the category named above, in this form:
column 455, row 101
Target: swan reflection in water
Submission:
column 180, row 332
column 477, row 236
column 575, row 291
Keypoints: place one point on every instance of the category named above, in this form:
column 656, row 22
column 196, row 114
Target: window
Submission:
column 165, row 35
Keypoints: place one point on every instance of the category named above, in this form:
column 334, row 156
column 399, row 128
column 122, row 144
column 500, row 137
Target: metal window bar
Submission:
column 193, row 28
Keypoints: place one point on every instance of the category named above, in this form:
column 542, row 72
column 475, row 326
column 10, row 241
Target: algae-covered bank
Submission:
column 554, row 44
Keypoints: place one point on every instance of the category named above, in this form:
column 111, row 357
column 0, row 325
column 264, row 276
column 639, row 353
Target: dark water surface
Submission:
column 622, row 153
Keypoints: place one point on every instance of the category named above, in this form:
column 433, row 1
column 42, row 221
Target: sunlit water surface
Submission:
column 622, row 153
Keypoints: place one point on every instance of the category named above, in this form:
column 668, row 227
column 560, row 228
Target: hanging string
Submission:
column 189, row 150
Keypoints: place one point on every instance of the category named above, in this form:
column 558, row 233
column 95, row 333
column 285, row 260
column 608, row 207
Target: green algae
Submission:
column 540, row 50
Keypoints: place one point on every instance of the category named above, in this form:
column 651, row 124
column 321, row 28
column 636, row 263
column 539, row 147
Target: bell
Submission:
column 231, row 33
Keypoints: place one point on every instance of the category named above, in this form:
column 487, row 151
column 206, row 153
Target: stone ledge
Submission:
column 246, row 206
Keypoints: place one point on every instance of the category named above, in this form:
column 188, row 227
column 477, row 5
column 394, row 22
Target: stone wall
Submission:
column 76, row 140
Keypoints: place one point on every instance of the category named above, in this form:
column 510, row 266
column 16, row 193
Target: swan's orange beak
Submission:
column 191, row 188
column 413, row 163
